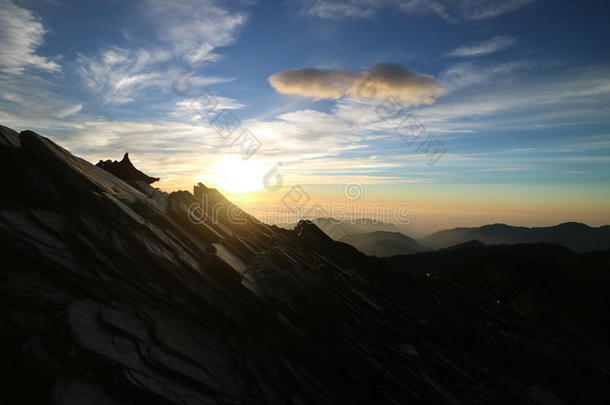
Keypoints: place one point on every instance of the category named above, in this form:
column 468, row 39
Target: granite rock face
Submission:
column 113, row 294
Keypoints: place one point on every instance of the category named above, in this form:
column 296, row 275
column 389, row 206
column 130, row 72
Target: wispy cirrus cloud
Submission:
column 481, row 48
column 522, row 103
column 469, row 74
column 380, row 81
column 184, row 32
column 340, row 9
column 193, row 29
column 21, row 34
column 495, row 98
column 450, row 10
column 117, row 74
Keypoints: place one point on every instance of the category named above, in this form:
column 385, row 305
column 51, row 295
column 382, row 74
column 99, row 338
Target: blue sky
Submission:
column 517, row 92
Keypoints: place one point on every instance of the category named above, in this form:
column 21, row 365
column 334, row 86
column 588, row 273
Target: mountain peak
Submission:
column 308, row 230
column 572, row 225
column 474, row 243
column 8, row 137
column 383, row 243
column 497, row 225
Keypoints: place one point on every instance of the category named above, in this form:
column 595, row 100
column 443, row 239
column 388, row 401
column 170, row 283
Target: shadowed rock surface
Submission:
column 114, row 295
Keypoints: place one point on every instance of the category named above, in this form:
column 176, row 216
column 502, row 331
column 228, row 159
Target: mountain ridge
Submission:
column 382, row 243
column 574, row 235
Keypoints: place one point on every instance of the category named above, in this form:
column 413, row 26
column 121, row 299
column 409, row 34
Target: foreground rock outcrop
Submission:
column 115, row 294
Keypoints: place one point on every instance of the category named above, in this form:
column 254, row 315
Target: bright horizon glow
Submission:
column 234, row 175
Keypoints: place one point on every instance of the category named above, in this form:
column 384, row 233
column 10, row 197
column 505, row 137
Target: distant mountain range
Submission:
column 573, row 235
column 383, row 243
column 338, row 229
column 383, row 239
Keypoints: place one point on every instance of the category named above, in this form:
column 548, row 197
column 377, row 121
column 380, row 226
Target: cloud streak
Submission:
column 194, row 28
column 380, row 81
column 481, row 48
column 450, row 10
column 185, row 30
column 21, row 34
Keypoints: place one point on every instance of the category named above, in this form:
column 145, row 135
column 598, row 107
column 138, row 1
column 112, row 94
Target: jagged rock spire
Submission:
column 125, row 170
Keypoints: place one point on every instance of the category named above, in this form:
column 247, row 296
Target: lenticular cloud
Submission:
column 380, row 81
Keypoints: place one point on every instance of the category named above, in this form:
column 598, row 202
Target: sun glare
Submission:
column 235, row 175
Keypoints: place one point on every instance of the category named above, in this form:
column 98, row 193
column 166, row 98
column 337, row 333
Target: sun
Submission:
column 235, row 175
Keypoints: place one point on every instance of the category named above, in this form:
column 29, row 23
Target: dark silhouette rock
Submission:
column 310, row 233
column 126, row 171
column 9, row 138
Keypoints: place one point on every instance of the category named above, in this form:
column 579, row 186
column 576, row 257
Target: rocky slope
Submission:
column 117, row 293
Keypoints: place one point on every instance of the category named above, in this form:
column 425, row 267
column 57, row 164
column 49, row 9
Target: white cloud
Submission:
column 468, row 74
column 451, row 10
column 339, row 9
column 194, row 28
column 455, row 10
column 117, row 74
column 31, row 99
column 493, row 99
column 521, row 102
column 66, row 112
column 480, row 48
column 22, row 33
column 120, row 75
column 194, row 109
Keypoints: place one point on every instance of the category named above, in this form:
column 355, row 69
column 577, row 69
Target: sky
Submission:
column 433, row 114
